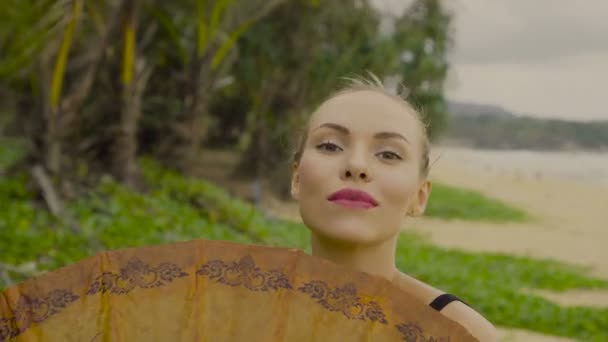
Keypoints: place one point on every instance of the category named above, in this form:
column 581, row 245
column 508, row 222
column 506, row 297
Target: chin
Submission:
column 345, row 230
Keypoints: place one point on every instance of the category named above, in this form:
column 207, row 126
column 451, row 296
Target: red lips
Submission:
column 353, row 198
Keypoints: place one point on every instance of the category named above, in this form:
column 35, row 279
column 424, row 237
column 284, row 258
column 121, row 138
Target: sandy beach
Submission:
column 566, row 193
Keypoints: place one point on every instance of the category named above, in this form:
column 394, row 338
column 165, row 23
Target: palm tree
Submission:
column 219, row 24
column 134, row 77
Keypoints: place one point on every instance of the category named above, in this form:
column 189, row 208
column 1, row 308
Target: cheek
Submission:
column 313, row 179
column 398, row 188
column 312, row 173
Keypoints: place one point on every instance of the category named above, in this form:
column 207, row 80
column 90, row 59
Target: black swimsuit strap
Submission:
column 443, row 300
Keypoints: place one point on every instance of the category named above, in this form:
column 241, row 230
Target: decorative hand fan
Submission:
column 215, row 291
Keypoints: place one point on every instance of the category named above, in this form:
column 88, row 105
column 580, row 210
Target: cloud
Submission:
column 523, row 31
column 569, row 88
column 546, row 58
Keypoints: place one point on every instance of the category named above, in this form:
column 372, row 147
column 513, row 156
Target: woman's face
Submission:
column 364, row 141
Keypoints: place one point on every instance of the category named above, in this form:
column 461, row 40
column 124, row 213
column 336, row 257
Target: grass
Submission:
column 178, row 209
column 493, row 284
column 447, row 202
column 11, row 150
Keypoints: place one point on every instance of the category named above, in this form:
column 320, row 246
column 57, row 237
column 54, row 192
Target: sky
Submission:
column 545, row 58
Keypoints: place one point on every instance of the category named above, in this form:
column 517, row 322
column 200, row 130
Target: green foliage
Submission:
column 26, row 27
column 176, row 209
column 424, row 37
column 493, row 284
column 448, row 202
column 219, row 71
column 222, row 208
column 297, row 56
column 11, row 151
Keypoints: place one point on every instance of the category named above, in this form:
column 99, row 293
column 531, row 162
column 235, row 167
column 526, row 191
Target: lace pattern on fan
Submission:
column 244, row 272
column 345, row 300
column 136, row 274
column 412, row 332
column 34, row 310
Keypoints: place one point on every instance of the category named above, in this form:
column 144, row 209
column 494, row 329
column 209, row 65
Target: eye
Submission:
column 390, row 155
column 329, row 147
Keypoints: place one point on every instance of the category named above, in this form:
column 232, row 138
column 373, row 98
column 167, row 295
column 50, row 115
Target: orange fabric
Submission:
column 215, row 291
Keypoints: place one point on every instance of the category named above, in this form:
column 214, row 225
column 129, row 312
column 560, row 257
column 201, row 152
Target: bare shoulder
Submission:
column 475, row 323
column 470, row 319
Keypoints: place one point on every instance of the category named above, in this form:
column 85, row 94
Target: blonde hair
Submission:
column 373, row 83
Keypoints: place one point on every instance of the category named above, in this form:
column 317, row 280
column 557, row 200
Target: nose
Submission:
column 356, row 168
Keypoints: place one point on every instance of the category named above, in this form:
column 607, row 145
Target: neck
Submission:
column 377, row 259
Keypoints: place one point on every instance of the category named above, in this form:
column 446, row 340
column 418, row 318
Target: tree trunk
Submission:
column 53, row 93
column 51, row 148
column 255, row 160
column 134, row 80
column 60, row 118
column 191, row 128
column 124, row 154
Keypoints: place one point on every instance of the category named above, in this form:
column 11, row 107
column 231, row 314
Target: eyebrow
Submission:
column 379, row 135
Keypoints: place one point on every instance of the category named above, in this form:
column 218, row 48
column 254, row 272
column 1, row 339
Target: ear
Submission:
column 422, row 197
column 295, row 181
